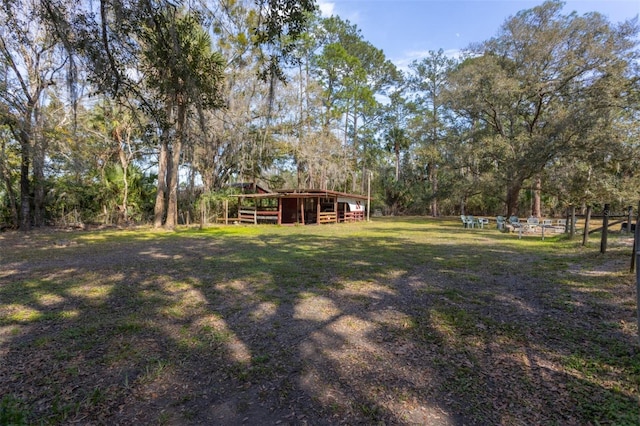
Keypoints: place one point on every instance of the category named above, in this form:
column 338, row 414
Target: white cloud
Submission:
column 329, row 8
column 417, row 55
column 326, row 8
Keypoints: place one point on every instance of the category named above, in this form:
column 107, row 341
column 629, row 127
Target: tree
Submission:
column 29, row 65
column 428, row 82
column 351, row 72
column 281, row 23
column 397, row 141
column 395, row 121
column 9, row 161
column 114, row 39
column 541, row 89
column 185, row 74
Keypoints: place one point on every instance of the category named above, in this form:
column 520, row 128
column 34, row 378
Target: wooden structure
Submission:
column 302, row 207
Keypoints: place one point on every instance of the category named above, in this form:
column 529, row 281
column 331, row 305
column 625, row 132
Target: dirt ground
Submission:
column 289, row 329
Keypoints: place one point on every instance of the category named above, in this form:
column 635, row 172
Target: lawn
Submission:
column 397, row 321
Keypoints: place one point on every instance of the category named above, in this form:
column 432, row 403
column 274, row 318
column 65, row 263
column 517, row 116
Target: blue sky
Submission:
column 407, row 29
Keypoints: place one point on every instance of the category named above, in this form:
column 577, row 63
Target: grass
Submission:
column 384, row 322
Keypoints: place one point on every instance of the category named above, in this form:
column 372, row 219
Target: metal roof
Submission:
column 303, row 193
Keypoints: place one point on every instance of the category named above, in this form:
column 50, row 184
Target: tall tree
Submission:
column 351, row 71
column 396, row 122
column 186, row 76
column 428, row 81
column 9, row 162
column 29, row 64
column 397, row 141
column 541, row 88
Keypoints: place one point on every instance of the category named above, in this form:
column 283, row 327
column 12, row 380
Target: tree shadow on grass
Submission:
column 294, row 328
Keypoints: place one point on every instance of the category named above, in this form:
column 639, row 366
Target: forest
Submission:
column 140, row 111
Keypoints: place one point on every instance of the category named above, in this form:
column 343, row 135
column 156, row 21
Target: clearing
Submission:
column 397, row 321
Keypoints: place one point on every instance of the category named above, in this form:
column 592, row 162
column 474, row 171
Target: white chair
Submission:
column 532, row 223
column 466, row 221
column 560, row 226
column 515, row 221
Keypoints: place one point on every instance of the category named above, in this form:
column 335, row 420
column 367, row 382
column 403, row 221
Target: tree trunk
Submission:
column 124, row 163
column 172, row 187
column 39, row 153
column 125, row 158
column 397, row 152
column 6, row 176
column 513, row 193
column 433, row 178
column 537, row 203
column 433, row 170
column 25, row 187
column 38, row 184
column 159, row 209
column 174, row 166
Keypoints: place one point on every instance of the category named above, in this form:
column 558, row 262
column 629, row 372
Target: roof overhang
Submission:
column 305, row 193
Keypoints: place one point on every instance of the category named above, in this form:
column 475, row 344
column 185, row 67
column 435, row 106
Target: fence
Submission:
column 253, row 215
column 351, row 216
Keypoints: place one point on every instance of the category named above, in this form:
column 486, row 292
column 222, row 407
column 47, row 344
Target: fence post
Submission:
column 629, row 218
column 585, row 234
column 605, row 229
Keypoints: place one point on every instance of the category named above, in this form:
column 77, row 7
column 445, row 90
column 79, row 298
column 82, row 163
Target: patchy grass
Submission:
column 400, row 321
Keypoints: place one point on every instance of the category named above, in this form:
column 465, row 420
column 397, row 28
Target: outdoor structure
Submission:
column 306, row 206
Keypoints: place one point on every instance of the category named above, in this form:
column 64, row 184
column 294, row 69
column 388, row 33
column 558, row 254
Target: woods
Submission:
column 120, row 112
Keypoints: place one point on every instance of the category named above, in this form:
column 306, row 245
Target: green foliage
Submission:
column 180, row 63
column 73, row 201
column 553, row 96
column 9, row 179
column 211, row 204
column 140, row 189
column 550, row 88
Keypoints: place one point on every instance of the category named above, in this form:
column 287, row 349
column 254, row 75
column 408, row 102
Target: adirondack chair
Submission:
column 532, row 223
column 467, row 221
column 515, row 221
column 561, row 225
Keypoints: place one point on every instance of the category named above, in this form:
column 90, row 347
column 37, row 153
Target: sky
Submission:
column 408, row 29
